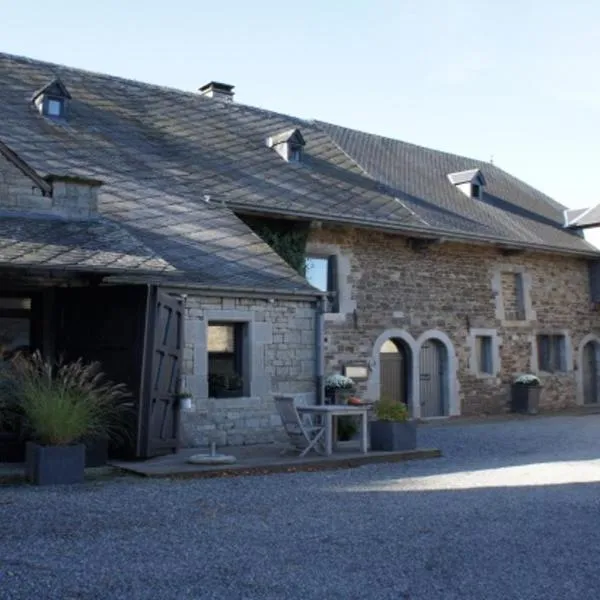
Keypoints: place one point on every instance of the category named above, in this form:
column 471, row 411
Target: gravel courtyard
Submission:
column 511, row 511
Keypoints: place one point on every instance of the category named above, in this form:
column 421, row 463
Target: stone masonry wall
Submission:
column 282, row 360
column 455, row 289
column 69, row 199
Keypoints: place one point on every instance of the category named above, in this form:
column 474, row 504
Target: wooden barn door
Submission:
column 159, row 417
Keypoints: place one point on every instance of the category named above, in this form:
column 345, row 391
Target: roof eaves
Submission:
column 425, row 232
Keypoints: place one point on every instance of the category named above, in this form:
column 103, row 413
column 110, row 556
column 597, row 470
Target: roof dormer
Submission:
column 288, row 144
column 52, row 100
column 470, row 182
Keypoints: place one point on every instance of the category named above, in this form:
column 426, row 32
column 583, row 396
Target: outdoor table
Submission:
column 327, row 412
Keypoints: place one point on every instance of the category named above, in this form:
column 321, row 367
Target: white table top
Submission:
column 333, row 408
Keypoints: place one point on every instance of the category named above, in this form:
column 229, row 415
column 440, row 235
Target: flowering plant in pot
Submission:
column 338, row 387
column 63, row 405
column 392, row 430
column 525, row 394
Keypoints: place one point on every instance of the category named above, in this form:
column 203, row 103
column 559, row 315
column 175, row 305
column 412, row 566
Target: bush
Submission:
column 63, row 403
column 390, row 410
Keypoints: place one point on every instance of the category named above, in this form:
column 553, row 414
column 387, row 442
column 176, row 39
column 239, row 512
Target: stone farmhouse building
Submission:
column 191, row 242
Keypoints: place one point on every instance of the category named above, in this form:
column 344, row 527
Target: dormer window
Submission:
column 288, row 144
column 470, row 183
column 295, row 154
column 52, row 100
column 54, row 107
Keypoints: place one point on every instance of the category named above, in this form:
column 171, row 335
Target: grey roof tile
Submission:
column 175, row 164
column 509, row 210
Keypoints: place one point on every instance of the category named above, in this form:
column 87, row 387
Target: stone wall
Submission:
column 72, row 199
column 282, row 359
column 449, row 290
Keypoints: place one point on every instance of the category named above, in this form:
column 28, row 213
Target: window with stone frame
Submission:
column 484, row 354
column 513, row 296
column 227, row 359
column 321, row 273
column 552, row 357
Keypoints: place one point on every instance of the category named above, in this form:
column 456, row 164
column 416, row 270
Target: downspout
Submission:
column 320, row 348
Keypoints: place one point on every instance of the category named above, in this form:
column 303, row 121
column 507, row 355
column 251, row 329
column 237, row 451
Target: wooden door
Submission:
column 393, row 372
column 433, row 379
column 159, row 417
column 590, row 373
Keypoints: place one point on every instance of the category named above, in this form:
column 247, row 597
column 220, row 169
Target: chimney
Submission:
column 219, row 91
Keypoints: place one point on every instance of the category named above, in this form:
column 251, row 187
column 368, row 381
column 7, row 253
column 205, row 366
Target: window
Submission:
column 54, row 107
column 321, row 272
column 226, row 360
column 295, row 153
column 551, row 353
column 513, row 293
column 483, row 350
column 475, row 190
column 15, row 325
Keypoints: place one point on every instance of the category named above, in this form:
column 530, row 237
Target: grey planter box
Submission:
column 49, row 465
column 525, row 398
column 392, row 436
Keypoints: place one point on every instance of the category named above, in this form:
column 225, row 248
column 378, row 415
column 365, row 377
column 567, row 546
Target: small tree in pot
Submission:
column 525, row 394
column 62, row 405
column 392, row 431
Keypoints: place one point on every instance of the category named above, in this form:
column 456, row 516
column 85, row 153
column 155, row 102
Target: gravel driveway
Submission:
column 512, row 511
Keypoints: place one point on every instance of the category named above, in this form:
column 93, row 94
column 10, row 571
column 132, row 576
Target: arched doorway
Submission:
column 433, row 379
column 591, row 372
column 395, row 370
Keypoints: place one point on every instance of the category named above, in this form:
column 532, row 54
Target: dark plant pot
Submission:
column 393, row 436
column 12, row 448
column 346, row 428
column 49, row 465
column 525, row 398
column 96, row 452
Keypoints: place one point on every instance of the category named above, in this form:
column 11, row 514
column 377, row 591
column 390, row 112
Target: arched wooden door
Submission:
column 591, row 372
column 433, row 379
column 394, row 360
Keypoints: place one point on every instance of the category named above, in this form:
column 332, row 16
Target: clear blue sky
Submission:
column 516, row 80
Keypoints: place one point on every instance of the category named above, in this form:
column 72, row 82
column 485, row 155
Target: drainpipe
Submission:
column 320, row 349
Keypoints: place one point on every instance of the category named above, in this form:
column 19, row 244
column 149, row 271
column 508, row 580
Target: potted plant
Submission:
column 185, row 400
column 338, row 388
column 392, row 430
column 221, row 385
column 63, row 405
column 525, row 394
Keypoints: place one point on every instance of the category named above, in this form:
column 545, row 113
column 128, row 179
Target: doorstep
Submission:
column 263, row 460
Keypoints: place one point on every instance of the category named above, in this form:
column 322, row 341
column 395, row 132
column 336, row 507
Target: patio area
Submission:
column 262, row 459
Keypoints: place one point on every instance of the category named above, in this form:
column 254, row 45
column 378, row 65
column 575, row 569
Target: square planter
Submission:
column 393, row 436
column 48, row 465
column 525, row 398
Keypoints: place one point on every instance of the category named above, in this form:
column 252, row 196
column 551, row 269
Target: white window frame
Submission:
column 474, row 335
column 527, row 284
column 567, row 350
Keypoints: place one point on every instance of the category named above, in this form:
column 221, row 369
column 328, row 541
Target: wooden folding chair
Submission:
column 305, row 435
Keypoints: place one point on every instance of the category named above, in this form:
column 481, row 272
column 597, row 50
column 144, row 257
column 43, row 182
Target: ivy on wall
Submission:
column 288, row 238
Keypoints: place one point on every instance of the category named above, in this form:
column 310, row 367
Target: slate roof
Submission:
column 509, row 210
column 176, row 164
